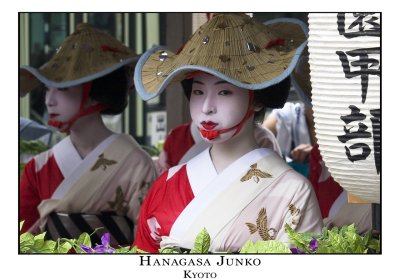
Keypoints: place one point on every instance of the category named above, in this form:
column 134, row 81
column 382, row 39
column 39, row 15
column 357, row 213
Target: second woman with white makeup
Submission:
column 234, row 189
column 94, row 178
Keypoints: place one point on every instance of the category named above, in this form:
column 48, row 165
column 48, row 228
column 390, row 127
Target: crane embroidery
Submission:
column 119, row 203
column 293, row 216
column 102, row 162
column 255, row 173
column 261, row 226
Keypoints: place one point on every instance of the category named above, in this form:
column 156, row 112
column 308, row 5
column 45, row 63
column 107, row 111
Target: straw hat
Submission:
column 233, row 47
column 85, row 55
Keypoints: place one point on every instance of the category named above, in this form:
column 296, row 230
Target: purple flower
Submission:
column 104, row 248
column 314, row 244
column 86, row 249
column 296, row 251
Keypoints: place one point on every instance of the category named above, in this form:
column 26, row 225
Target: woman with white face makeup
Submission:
column 94, row 177
column 211, row 101
column 233, row 68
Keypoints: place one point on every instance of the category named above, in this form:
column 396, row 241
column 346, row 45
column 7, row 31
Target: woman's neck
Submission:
column 87, row 133
column 225, row 153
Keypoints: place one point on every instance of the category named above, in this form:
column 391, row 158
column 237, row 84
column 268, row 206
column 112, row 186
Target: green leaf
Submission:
column 169, row 251
column 32, row 147
column 39, row 240
column 84, row 239
column 201, row 243
column 48, row 247
column 137, row 250
column 63, row 247
column 122, row 250
column 248, row 248
column 375, row 244
column 336, row 242
column 26, row 239
column 301, row 241
column 271, row 246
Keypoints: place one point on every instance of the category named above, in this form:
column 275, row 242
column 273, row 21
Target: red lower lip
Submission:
column 209, row 125
column 53, row 115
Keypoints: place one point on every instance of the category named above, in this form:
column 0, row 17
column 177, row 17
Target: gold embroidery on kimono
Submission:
column 261, row 226
column 102, row 162
column 255, row 174
column 293, row 216
column 119, row 204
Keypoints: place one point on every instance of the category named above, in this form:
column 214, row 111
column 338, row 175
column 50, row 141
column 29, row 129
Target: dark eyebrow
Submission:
column 217, row 83
column 221, row 82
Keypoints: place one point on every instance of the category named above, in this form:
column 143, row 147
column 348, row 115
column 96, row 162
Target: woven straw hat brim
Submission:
column 225, row 54
column 85, row 55
column 30, row 77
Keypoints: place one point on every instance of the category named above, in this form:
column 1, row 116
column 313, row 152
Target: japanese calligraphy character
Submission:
column 366, row 64
column 363, row 24
column 362, row 132
column 376, row 132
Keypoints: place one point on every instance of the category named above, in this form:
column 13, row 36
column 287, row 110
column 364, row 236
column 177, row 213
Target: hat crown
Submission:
column 233, row 47
column 82, row 26
column 227, row 36
column 87, row 54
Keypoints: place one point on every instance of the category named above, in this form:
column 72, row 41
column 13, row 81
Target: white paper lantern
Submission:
column 345, row 77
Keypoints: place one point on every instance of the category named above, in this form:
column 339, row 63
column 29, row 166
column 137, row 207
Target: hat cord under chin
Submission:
column 66, row 126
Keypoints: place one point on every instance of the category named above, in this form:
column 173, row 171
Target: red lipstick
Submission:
column 209, row 125
column 52, row 116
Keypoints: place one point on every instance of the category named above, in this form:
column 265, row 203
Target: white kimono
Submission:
column 253, row 198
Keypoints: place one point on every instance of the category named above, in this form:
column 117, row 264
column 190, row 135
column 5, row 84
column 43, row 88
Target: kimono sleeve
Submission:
column 28, row 197
column 303, row 213
column 142, row 174
column 143, row 237
column 36, row 185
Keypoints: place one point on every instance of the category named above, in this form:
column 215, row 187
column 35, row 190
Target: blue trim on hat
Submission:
column 306, row 99
column 49, row 83
column 145, row 95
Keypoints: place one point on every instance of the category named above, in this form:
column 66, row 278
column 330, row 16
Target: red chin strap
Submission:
column 66, row 126
column 212, row 134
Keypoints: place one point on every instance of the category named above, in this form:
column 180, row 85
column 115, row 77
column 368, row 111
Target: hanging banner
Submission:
column 345, row 64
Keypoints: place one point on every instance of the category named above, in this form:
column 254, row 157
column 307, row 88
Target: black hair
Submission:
column 187, row 87
column 112, row 90
column 272, row 97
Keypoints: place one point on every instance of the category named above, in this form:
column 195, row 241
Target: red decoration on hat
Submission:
column 275, row 42
column 195, row 73
column 106, row 48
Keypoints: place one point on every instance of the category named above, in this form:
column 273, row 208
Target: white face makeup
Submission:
column 216, row 105
column 63, row 104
